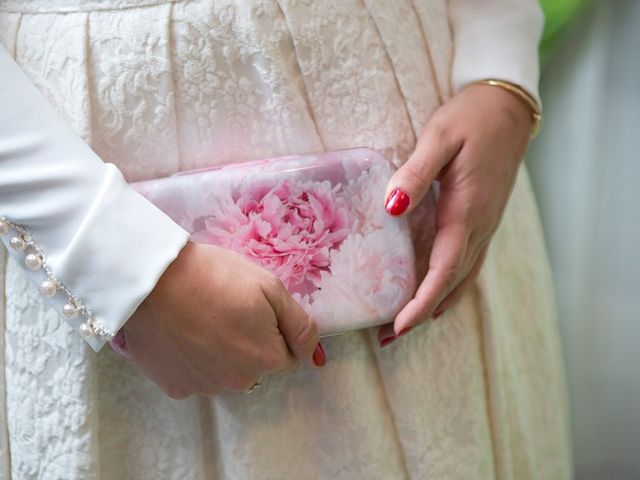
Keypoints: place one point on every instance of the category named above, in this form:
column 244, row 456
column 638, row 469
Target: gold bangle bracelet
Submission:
column 523, row 95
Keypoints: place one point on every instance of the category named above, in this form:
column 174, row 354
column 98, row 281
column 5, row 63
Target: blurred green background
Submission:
column 558, row 14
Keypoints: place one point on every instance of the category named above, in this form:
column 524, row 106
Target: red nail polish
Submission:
column 397, row 202
column 387, row 341
column 319, row 357
column 406, row 330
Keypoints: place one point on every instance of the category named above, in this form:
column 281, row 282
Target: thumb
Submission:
column 410, row 183
column 298, row 329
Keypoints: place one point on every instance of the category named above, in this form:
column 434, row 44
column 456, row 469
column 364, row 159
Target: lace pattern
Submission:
column 70, row 6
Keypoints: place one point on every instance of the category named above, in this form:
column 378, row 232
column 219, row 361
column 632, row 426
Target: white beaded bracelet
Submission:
column 35, row 260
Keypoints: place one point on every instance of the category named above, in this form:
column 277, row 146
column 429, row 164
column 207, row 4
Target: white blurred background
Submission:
column 585, row 166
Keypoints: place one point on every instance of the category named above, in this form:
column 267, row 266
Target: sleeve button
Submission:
column 48, row 288
column 86, row 331
column 18, row 244
column 33, row 261
column 70, row 311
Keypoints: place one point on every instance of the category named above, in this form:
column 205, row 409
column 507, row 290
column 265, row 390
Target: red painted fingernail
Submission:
column 406, row 330
column 387, row 341
column 437, row 314
column 397, row 202
column 319, row 357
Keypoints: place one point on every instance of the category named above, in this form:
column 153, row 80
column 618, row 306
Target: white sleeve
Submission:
column 496, row 39
column 68, row 217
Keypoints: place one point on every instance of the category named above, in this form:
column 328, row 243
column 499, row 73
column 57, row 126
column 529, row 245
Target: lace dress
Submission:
column 160, row 86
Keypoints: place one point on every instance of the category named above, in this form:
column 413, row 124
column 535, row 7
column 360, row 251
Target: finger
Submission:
column 239, row 383
column 445, row 264
column 204, row 382
column 299, row 331
column 288, row 368
column 210, row 393
column 455, row 296
column 475, row 247
column 207, row 388
column 409, row 184
column 177, row 391
column 386, row 335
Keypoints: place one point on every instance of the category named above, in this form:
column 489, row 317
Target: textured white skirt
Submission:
column 161, row 86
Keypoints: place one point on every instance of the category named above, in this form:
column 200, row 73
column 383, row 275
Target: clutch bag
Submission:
column 315, row 221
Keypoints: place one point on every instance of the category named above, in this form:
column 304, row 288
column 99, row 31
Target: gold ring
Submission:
column 254, row 387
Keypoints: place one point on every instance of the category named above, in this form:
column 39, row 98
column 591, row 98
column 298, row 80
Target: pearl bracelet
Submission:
column 36, row 260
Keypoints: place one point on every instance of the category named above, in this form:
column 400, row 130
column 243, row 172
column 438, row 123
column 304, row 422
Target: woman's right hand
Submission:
column 216, row 321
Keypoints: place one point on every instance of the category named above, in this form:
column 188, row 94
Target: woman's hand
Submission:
column 473, row 145
column 215, row 321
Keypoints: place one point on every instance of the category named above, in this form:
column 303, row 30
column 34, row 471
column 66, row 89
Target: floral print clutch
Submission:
column 316, row 221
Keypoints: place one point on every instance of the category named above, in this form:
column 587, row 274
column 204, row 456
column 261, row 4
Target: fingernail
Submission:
column 406, row 330
column 397, row 202
column 319, row 357
column 437, row 314
column 387, row 341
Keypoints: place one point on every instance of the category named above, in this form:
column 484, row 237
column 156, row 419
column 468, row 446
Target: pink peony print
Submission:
column 316, row 221
column 366, row 197
column 288, row 227
column 371, row 278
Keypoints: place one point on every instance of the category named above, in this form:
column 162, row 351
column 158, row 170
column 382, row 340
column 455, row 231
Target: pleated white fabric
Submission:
column 161, row 86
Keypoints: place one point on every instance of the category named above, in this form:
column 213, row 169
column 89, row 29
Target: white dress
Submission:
column 160, row 86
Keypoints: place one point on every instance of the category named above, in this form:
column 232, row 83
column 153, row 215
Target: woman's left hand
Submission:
column 473, row 145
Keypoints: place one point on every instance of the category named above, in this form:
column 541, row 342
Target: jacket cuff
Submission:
column 111, row 264
column 93, row 246
column 497, row 40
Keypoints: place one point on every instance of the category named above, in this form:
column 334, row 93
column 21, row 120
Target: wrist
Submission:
column 525, row 99
column 165, row 285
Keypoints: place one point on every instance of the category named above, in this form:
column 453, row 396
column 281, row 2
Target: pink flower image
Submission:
column 366, row 198
column 372, row 277
column 288, row 227
column 315, row 221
